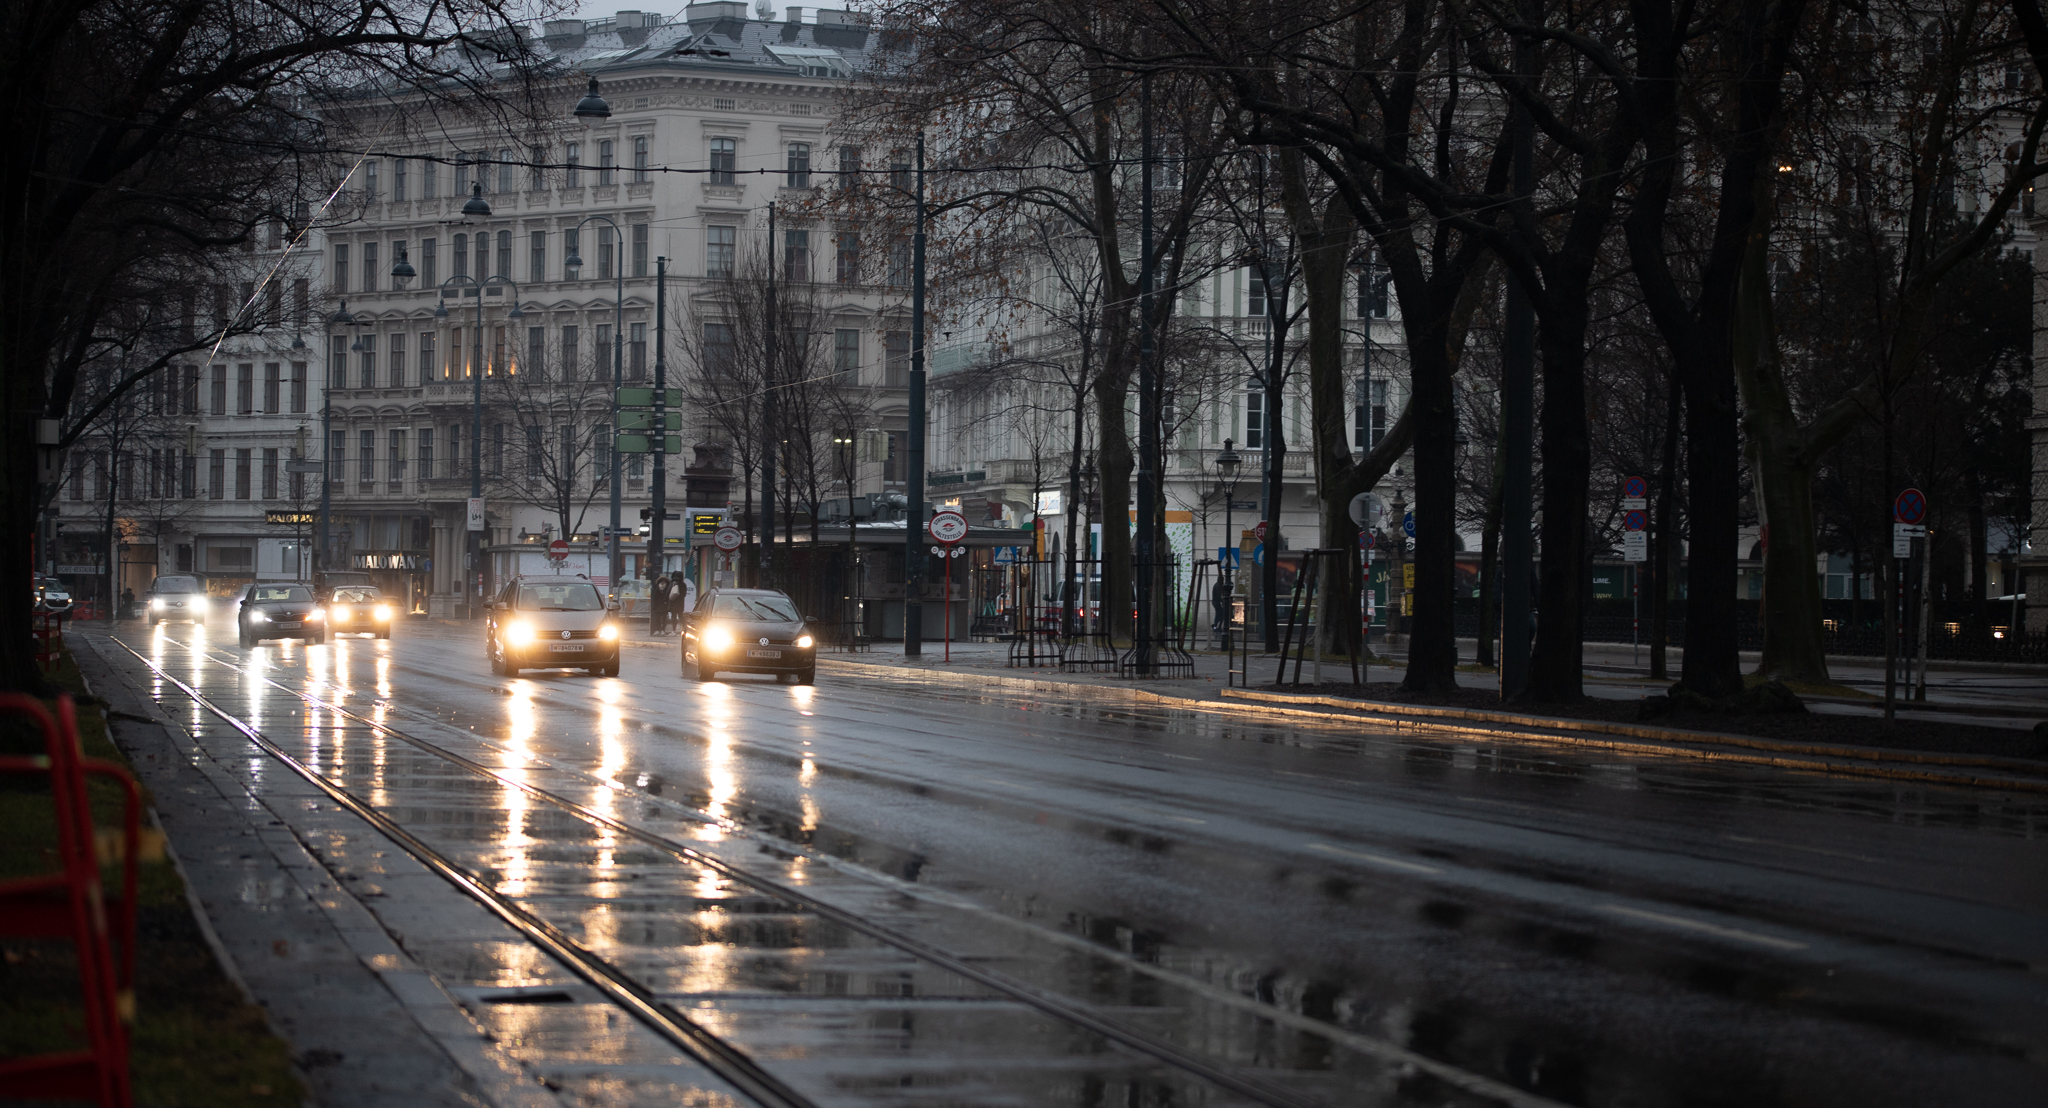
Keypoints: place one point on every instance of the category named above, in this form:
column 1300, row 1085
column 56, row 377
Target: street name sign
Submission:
column 644, row 444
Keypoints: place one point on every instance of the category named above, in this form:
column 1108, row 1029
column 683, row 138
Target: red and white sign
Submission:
column 559, row 550
column 1635, row 495
column 1259, row 531
column 948, row 527
column 1910, row 507
column 727, row 538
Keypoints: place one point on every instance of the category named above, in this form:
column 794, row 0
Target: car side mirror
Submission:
column 810, row 619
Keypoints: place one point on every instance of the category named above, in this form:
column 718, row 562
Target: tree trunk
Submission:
column 1557, row 670
column 1664, row 540
column 1114, row 463
column 1782, row 450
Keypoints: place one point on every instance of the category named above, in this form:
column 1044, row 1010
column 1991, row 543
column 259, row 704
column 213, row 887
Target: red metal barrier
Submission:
column 49, row 633
column 70, row 903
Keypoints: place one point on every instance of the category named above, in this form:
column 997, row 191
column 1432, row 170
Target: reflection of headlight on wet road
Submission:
column 717, row 638
column 519, row 634
column 804, row 640
column 608, row 631
column 381, row 612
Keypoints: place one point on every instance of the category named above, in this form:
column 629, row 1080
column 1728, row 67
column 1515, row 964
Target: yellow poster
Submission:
column 1407, row 578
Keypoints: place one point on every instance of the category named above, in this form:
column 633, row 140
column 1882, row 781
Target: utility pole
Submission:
column 769, row 440
column 1518, row 436
column 1275, row 456
column 660, row 444
column 913, row 520
column 1148, row 402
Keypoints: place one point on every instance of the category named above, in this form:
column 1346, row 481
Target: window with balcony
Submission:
column 639, row 231
column 430, row 262
column 270, row 473
column 366, row 458
column 572, row 177
column 724, row 160
column 366, row 362
column 427, row 362
column 245, row 388
column 395, row 468
column 460, row 256
column 846, row 354
column 430, row 179
column 640, row 160
column 607, row 163
column 396, row 346
column 243, row 458
column 272, row 378
column 220, row 390
column 799, row 169
column 369, row 267
column 604, row 253
column 398, row 179
column 536, row 256
column 340, row 267
column 848, row 264
column 536, row 176
column 570, row 366
column 896, row 359
column 636, row 352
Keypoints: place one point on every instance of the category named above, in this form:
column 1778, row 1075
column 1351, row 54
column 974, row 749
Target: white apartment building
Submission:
column 195, row 465
column 713, row 117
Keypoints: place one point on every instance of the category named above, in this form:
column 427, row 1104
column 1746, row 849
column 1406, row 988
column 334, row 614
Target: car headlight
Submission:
column 381, row 612
column 717, row 638
column 805, row 640
column 317, row 614
column 156, row 603
column 519, row 634
column 256, row 616
column 608, row 631
column 341, row 611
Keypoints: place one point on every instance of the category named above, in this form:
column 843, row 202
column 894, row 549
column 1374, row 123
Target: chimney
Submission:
column 627, row 21
column 793, row 15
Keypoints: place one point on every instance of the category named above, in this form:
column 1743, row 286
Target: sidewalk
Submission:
column 1989, row 698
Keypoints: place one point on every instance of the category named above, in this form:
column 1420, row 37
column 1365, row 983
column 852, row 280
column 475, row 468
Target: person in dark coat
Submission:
column 657, row 606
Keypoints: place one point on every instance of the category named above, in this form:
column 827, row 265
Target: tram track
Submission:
column 710, row 1049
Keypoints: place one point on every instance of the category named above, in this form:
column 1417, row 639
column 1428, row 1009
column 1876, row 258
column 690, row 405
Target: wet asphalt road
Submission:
column 1596, row 929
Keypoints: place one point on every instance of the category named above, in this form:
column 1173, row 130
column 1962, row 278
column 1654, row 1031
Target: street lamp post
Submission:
column 471, row 585
column 593, row 108
column 575, row 261
column 1227, row 461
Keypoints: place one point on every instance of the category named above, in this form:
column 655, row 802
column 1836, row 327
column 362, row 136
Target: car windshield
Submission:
column 355, row 596
column 578, row 596
column 176, row 584
column 286, row 593
column 772, row 609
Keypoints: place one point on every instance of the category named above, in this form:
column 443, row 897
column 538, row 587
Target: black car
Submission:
column 749, row 631
column 284, row 611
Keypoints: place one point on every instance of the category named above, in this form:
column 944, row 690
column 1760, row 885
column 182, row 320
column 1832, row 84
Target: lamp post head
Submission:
column 592, row 106
column 403, row 270
column 515, row 313
column 1227, row 460
column 356, row 346
column 573, row 261
column 440, row 310
column 476, row 205
column 342, row 317
column 298, row 342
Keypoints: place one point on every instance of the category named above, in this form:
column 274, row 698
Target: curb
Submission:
column 1703, row 745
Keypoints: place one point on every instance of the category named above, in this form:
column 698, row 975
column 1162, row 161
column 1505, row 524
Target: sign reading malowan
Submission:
column 294, row 518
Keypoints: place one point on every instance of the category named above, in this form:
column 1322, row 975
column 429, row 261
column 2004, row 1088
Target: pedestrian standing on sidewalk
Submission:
column 657, row 606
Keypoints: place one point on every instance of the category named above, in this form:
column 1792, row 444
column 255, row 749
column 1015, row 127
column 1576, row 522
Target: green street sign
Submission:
column 644, row 398
column 644, row 444
column 644, row 421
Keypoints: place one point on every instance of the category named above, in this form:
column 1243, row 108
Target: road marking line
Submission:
column 1375, row 859
column 1705, row 928
column 1796, row 846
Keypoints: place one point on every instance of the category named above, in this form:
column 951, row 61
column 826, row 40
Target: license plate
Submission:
column 291, row 626
column 565, row 648
column 764, row 653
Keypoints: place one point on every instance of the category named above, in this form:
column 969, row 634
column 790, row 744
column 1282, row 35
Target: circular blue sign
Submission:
column 1408, row 524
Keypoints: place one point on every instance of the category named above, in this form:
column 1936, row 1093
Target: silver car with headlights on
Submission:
column 552, row 623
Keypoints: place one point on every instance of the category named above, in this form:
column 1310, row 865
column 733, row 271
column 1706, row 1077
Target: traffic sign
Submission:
column 644, row 444
column 1634, row 488
column 476, row 513
column 558, row 549
column 726, row 538
column 1259, row 554
column 1635, row 521
column 948, row 527
column 644, row 421
column 1903, row 535
column 1227, row 556
column 1259, row 531
column 1365, row 509
column 644, row 398
column 1408, row 524
column 1910, row 507
column 1367, row 540
column 1635, row 547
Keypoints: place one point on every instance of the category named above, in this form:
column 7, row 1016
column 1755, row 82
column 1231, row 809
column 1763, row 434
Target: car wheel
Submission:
column 505, row 663
column 807, row 676
column 316, row 640
column 610, row 669
column 497, row 662
column 704, row 672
